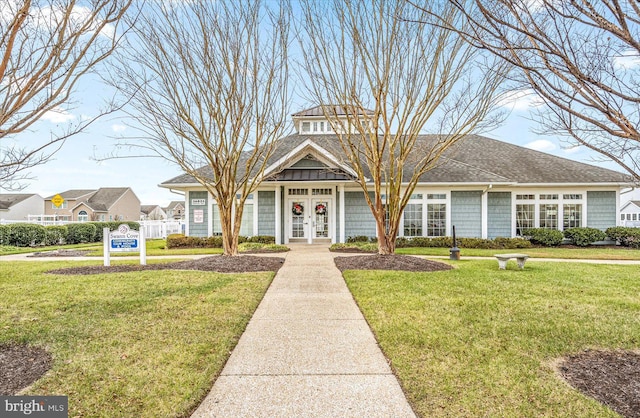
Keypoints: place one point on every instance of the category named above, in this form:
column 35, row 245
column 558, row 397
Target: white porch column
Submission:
column 278, row 217
column 485, row 215
column 255, row 213
column 187, row 203
column 210, row 213
column 278, row 211
column 342, row 211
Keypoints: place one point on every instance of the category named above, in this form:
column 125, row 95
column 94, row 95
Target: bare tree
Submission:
column 209, row 88
column 582, row 58
column 395, row 79
column 48, row 46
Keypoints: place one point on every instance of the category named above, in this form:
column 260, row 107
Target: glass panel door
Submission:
column 298, row 226
column 320, row 218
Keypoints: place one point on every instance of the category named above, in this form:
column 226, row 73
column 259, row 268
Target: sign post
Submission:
column 124, row 240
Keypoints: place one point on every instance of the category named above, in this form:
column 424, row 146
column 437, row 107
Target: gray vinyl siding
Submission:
column 358, row 219
column 466, row 213
column 267, row 213
column 601, row 210
column 499, row 214
column 307, row 163
column 199, row 229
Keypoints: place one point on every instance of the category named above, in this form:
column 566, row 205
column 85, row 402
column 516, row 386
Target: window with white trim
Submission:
column 553, row 210
column 525, row 217
column 83, row 216
column 413, row 220
column 436, row 215
column 246, row 225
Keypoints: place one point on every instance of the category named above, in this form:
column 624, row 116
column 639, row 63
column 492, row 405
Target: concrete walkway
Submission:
column 307, row 351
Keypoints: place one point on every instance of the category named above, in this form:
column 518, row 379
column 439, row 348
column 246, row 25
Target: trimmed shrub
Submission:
column 544, row 236
column 262, row 239
column 26, row 235
column 357, row 238
column 4, row 234
column 447, row 242
column 79, row 233
column 180, row 241
column 626, row 236
column 583, row 237
column 507, row 243
column 55, row 234
column 215, row 242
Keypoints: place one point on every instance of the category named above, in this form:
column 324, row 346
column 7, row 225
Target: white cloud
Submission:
column 118, row 128
column 520, row 100
column 58, row 116
column 628, row 60
column 572, row 150
column 541, row 145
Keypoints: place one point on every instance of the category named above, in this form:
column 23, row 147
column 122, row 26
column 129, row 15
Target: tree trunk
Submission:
column 229, row 239
column 386, row 244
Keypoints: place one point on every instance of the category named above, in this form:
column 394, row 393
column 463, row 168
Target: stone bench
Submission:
column 503, row 258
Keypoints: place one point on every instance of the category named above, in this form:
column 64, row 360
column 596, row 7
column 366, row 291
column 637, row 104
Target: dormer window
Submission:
column 313, row 121
column 316, row 127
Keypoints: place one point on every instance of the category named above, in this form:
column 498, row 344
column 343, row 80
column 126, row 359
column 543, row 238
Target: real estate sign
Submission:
column 124, row 239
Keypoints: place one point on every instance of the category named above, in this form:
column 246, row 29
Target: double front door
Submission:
column 309, row 218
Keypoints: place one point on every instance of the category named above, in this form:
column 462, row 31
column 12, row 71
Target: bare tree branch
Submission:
column 48, row 46
column 395, row 79
column 208, row 88
column 582, row 58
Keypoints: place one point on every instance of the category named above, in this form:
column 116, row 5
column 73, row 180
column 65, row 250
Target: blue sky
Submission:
column 74, row 166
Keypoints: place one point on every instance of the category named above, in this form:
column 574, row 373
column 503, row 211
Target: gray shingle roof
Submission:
column 147, row 209
column 475, row 159
column 105, row 197
column 73, row 194
column 174, row 203
column 317, row 111
column 10, row 199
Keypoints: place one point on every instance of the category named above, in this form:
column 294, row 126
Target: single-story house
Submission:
column 630, row 214
column 484, row 187
column 103, row 204
column 152, row 212
column 18, row 206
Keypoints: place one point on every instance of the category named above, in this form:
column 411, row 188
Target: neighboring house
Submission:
column 630, row 214
column 18, row 206
column 175, row 210
column 484, row 187
column 152, row 213
column 104, row 204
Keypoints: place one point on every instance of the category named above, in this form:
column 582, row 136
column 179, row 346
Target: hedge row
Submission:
column 32, row 235
column 626, row 236
column 180, row 241
column 447, row 242
column 583, row 237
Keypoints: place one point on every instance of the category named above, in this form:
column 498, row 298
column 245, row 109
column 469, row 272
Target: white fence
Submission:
column 152, row 229
column 160, row 229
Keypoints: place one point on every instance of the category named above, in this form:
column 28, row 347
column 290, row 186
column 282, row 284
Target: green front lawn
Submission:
column 128, row 344
column 477, row 341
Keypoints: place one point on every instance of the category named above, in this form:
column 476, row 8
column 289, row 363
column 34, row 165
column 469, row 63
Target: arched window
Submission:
column 82, row 216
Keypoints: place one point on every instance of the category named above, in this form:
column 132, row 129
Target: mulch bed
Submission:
column 218, row 263
column 389, row 262
column 20, row 366
column 60, row 253
column 611, row 377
